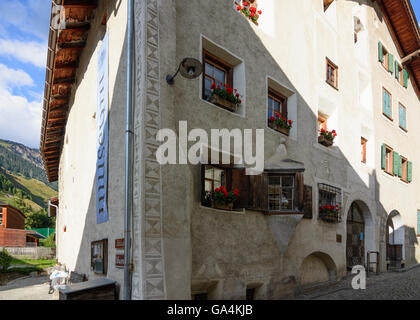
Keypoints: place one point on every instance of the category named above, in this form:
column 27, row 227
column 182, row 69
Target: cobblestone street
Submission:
column 387, row 286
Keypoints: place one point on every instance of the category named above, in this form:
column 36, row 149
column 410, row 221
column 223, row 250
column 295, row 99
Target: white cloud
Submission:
column 28, row 16
column 20, row 119
column 14, row 78
column 28, row 52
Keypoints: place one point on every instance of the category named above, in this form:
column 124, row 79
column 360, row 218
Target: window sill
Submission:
column 222, row 109
column 387, row 117
column 403, row 129
column 331, row 85
column 283, row 213
column 234, row 211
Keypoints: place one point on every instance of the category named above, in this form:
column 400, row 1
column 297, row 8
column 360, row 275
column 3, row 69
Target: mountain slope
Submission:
column 22, row 177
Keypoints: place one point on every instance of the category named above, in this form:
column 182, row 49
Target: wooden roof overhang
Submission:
column 400, row 17
column 64, row 49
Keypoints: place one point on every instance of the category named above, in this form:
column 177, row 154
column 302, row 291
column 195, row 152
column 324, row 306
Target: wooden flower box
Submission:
column 324, row 141
column 329, row 217
column 219, row 101
column 279, row 128
column 222, row 206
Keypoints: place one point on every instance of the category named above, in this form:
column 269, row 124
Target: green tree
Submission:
column 39, row 219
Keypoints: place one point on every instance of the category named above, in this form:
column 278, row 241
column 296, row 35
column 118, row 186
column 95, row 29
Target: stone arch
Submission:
column 316, row 268
column 369, row 234
column 395, row 235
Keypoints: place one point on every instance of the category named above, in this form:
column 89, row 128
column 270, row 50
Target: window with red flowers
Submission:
column 329, row 203
column 216, row 71
column 277, row 104
column 214, row 177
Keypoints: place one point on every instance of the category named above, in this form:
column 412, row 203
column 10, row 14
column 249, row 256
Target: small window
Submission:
column 332, row 74
column 1, row 216
column 281, row 191
column 277, row 104
column 250, row 294
column 329, row 203
column 399, row 73
column 200, row 296
column 327, row 4
column 389, row 160
column 364, row 143
column 385, row 58
column 214, row 177
column 387, row 104
column 99, row 256
column 322, row 122
column 404, row 166
column 403, row 117
column 215, row 71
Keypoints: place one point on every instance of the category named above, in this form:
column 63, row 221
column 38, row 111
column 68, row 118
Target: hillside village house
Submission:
column 319, row 208
column 12, row 228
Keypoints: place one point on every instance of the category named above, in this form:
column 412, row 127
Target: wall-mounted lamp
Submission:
column 189, row 68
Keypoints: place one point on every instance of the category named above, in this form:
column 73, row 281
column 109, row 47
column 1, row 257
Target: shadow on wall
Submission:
column 244, row 245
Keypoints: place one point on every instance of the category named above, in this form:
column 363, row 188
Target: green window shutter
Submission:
column 390, row 63
column 409, row 171
column 400, row 171
column 396, row 165
column 380, row 52
column 387, row 104
column 397, row 71
column 383, row 157
column 418, row 222
column 405, row 78
column 402, row 117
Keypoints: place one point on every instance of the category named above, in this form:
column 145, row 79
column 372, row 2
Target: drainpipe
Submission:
column 56, row 224
column 129, row 137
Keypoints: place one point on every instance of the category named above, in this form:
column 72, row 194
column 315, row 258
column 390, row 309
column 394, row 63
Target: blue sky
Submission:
column 24, row 28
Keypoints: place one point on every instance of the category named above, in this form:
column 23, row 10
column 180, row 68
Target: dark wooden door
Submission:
column 355, row 245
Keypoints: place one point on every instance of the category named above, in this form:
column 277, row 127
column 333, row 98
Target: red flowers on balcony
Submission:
column 326, row 137
column 225, row 97
column 330, row 213
column 280, row 123
column 223, row 199
column 250, row 12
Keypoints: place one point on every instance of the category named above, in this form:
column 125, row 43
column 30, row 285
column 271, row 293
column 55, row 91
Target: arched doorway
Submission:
column 355, row 245
column 395, row 240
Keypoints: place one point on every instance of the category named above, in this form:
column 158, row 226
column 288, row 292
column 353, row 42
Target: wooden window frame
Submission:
column 326, row 4
column 390, row 169
column 323, row 120
column 364, row 147
column 385, row 62
column 275, row 95
column 405, row 114
column 383, row 104
column 331, row 64
column 293, row 188
column 220, row 64
column 400, row 75
column 227, row 180
column 404, row 163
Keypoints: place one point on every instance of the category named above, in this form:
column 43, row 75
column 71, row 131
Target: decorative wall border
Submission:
column 148, row 275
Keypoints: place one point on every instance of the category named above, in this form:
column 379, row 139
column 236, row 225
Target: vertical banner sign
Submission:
column 102, row 134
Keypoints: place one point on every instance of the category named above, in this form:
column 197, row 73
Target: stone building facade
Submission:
column 330, row 63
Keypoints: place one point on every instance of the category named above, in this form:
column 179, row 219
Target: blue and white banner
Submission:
column 102, row 135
